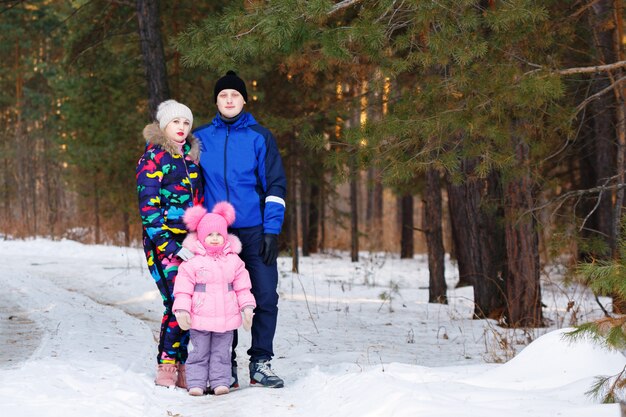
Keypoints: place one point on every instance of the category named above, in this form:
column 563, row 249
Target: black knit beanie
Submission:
column 230, row 81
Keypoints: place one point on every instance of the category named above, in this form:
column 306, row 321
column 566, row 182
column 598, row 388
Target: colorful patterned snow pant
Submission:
column 172, row 340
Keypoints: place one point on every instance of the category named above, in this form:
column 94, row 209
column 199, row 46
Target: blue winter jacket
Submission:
column 241, row 164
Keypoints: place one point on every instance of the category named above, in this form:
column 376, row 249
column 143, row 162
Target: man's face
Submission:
column 230, row 103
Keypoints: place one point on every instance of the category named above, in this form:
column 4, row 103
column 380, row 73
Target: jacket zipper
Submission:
column 225, row 162
column 193, row 197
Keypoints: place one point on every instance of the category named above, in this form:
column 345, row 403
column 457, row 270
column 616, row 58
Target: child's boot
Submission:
column 196, row 391
column 166, row 375
column 181, row 381
column 221, row 390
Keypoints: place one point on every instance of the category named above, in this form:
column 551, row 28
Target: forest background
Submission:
column 491, row 130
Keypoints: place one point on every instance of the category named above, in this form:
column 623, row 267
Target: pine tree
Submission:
column 31, row 191
column 103, row 70
column 460, row 66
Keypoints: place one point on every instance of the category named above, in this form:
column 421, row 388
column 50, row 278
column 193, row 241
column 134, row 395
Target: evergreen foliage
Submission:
column 441, row 83
column 102, row 72
column 469, row 69
column 605, row 277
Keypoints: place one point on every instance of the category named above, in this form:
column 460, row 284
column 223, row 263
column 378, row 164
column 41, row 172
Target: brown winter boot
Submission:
column 166, row 375
column 181, row 381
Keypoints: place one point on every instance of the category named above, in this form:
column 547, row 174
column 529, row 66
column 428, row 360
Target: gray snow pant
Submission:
column 209, row 359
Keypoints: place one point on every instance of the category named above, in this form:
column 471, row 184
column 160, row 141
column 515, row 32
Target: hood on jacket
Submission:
column 153, row 134
column 232, row 244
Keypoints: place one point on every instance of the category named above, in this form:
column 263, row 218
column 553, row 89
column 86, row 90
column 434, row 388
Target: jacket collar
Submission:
column 232, row 244
column 153, row 134
column 245, row 120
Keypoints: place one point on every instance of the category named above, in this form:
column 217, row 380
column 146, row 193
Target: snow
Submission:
column 78, row 326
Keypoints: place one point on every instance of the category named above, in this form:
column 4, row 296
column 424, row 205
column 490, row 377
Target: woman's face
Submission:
column 230, row 103
column 178, row 129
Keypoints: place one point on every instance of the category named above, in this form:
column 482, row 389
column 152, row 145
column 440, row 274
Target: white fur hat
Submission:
column 170, row 110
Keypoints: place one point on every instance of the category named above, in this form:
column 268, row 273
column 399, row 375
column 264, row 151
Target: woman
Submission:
column 168, row 182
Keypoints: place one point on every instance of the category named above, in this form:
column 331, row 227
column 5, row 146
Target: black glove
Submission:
column 269, row 248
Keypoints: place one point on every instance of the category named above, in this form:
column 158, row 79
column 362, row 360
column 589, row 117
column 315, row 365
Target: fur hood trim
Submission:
column 191, row 242
column 153, row 134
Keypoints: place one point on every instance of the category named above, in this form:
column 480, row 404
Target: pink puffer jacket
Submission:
column 213, row 289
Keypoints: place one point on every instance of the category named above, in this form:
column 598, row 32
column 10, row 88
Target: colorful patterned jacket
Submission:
column 167, row 184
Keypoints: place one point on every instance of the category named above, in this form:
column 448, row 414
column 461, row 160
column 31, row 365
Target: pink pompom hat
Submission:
column 198, row 219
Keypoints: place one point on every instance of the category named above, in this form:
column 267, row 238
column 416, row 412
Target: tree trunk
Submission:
column 322, row 218
column 51, row 188
column 437, row 288
column 490, row 294
column 354, row 209
column 464, row 235
column 34, row 191
column 406, row 227
column 522, row 245
column 585, row 179
column 153, row 54
column 609, row 126
column 314, row 218
column 96, row 210
column 478, row 238
column 603, row 110
column 293, row 207
column 620, row 130
column 126, row 227
column 6, row 191
column 22, row 147
column 375, row 207
column 305, row 196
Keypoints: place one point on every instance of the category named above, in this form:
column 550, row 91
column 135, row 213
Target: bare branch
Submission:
column 240, row 35
column 597, row 68
column 584, row 70
column 342, row 5
column 584, row 8
column 598, row 94
column 595, row 207
column 10, row 6
column 579, row 193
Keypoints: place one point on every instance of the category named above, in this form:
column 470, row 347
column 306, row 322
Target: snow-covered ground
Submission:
column 78, row 325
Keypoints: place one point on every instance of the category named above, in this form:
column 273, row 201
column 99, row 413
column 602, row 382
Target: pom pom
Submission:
column 193, row 216
column 165, row 104
column 226, row 210
column 235, row 243
column 191, row 241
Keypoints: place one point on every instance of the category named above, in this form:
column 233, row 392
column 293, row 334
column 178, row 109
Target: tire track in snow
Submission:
column 19, row 335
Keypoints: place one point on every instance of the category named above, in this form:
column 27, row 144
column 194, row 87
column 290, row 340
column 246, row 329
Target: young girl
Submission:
column 211, row 291
column 168, row 182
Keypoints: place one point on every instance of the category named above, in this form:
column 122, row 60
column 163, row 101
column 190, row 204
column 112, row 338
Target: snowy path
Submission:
column 18, row 332
column 90, row 314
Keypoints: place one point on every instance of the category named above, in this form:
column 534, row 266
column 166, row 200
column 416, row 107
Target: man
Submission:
column 241, row 164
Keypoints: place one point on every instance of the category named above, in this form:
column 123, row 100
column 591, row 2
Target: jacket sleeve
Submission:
column 149, row 178
column 274, row 184
column 242, row 286
column 183, row 288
